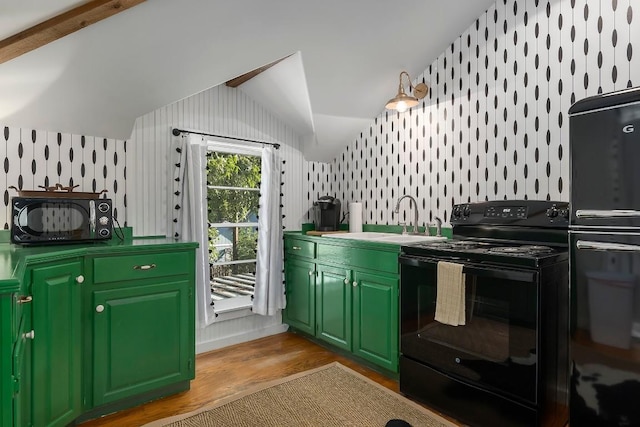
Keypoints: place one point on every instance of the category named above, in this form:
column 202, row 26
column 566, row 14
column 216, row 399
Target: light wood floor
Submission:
column 222, row 373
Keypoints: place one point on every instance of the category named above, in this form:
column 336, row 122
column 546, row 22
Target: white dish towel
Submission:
column 450, row 306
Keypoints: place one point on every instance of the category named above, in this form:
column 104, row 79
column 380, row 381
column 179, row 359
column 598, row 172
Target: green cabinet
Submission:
column 87, row 331
column 141, row 338
column 142, row 309
column 333, row 305
column 57, row 345
column 351, row 302
column 300, row 285
column 22, row 375
column 375, row 318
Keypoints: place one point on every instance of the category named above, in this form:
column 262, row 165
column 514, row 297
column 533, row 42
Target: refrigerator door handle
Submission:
column 619, row 213
column 605, row 246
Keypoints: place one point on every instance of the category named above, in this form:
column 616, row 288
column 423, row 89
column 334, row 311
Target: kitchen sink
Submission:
column 374, row 236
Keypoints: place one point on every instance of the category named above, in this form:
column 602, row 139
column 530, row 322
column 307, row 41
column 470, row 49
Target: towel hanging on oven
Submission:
column 450, row 303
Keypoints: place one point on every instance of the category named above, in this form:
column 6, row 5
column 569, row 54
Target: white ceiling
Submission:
column 346, row 58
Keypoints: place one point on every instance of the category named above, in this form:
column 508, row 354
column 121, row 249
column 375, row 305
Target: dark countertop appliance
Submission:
column 604, row 231
column 507, row 364
column 326, row 214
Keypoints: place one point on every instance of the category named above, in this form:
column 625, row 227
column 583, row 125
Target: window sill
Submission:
column 232, row 308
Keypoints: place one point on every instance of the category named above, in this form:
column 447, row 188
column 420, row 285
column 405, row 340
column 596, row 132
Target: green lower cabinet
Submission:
column 333, row 305
column 57, row 344
column 88, row 331
column 300, row 282
column 375, row 319
column 142, row 339
column 22, row 357
column 354, row 306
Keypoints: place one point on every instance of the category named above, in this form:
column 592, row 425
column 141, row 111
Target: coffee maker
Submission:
column 326, row 213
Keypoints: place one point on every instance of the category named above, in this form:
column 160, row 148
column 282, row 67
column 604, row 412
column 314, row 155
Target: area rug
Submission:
column 332, row 395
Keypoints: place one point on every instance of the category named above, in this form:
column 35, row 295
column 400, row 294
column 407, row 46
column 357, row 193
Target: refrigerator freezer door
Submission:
column 605, row 167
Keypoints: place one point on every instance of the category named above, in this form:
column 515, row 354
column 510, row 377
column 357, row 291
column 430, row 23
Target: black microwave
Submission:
column 60, row 220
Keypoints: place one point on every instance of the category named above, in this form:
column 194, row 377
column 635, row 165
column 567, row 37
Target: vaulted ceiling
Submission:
column 342, row 61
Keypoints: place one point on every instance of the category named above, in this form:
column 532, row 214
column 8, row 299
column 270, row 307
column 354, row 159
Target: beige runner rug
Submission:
column 332, row 395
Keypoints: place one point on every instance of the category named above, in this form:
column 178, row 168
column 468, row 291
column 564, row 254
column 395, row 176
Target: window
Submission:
column 233, row 191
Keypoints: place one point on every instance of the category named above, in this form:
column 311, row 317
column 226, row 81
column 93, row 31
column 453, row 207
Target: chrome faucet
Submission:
column 438, row 227
column 415, row 217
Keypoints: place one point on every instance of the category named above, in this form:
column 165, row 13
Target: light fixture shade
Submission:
column 402, row 102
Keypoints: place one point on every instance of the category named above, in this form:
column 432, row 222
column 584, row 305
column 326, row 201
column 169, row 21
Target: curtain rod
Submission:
column 177, row 132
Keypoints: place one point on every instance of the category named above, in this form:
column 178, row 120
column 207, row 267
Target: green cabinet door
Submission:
column 22, row 373
column 300, row 280
column 56, row 349
column 143, row 337
column 375, row 319
column 333, row 305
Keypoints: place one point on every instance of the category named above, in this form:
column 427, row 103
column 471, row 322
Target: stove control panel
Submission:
column 512, row 212
column 506, row 212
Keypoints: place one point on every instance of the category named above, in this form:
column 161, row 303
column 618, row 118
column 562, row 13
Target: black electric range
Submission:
column 506, row 365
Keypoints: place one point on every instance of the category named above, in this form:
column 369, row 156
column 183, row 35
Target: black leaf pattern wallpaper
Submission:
column 494, row 124
column 34, row 159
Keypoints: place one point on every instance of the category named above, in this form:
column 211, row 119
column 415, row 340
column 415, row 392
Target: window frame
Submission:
column 239, row 306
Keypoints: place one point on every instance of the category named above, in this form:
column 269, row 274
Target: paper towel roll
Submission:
column 355, row 217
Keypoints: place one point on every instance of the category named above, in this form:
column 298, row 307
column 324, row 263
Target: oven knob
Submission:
column 552, row 212
column 467, row 211
column 456, row 212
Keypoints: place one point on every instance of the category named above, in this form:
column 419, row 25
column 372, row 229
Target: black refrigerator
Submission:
column 604, row 234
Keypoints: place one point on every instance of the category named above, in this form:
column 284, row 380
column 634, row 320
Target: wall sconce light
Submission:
column 402, row 102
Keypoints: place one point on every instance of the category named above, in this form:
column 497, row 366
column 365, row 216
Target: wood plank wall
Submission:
column 219, row 110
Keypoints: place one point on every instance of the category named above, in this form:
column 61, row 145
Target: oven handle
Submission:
column 605, row 246
column 493, row 272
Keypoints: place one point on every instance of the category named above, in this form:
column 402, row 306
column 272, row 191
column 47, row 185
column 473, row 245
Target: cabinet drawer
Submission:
column 302, row 248
column 140, row 266
column 367, row 259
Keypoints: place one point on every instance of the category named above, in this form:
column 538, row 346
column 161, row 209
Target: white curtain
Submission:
column 189, row 220
column 268, row 295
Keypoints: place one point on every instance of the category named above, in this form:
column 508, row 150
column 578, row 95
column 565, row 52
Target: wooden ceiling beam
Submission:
column 60, row 26
column 237, row 81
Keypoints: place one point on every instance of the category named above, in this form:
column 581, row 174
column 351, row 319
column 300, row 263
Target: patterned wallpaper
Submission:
column 494, row 124
column 33, row 158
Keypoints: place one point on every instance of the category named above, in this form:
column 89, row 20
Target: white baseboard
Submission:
column 203, row 347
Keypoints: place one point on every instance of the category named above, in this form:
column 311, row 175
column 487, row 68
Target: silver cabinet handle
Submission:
column 355, row 283
column 100, row 308
column 296, row 248
column 346, row 281
column 29, row 335
column 604, row 246
column 144, row 267
column 24, row 299
column 615, row 213
column 80, row 279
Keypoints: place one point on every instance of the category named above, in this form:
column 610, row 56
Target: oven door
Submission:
column 497, row 347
